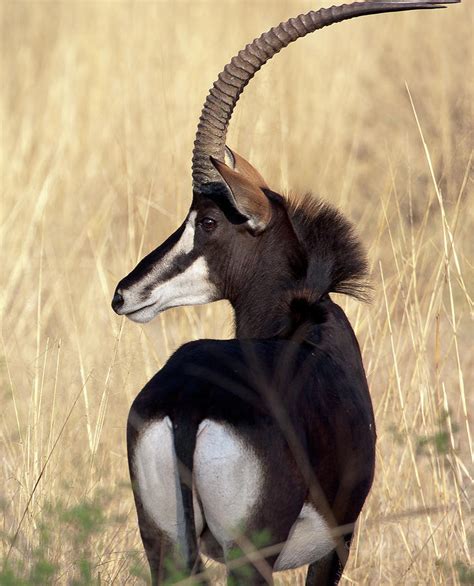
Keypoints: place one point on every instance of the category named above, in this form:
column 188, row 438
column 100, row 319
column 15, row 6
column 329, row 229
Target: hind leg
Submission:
column 159, row 552
column 247, row 576
column 251, row 573
column 159, row 503
column 256, row 571
column 229, row 480
column 166, row 563
column 327, row 571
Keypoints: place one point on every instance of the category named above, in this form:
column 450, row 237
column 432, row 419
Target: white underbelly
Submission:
column 309, row 540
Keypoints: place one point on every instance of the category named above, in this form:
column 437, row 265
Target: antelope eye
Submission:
column 208, row 224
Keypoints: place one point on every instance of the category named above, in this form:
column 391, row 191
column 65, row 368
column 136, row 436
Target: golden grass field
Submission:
column 99, row 106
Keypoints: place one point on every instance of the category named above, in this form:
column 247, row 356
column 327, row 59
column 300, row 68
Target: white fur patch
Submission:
column 228, row 478
column 227, row 485
column 191, row 287
column 309, row 540
column 184, row 245
column 157, row 479
column 186, row 242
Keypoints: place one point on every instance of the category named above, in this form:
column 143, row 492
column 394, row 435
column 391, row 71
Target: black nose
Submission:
column 117, row 301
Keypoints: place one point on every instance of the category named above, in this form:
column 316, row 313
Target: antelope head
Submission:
column 218, row 251
column 203, row 260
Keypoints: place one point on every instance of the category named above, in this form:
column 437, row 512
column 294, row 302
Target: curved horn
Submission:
column 223, row 96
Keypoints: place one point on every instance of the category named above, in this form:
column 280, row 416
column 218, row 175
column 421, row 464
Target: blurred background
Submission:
column 99, row 107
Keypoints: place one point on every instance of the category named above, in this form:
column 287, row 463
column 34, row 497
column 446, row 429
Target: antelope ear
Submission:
column 242, row 166
column 248, row 199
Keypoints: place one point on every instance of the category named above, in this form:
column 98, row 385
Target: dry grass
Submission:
column 99, row 105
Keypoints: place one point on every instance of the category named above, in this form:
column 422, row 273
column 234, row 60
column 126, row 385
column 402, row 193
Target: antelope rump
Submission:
column 271, row 435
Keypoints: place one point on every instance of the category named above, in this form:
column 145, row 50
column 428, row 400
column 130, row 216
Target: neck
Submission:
column 259, row 315
column 261, row 304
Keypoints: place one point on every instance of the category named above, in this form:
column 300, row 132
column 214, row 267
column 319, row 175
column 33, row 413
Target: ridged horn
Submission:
column 224, row 94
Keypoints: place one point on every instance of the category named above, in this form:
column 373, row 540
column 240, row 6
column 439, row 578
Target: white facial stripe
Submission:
column 191, row 287
column 186, row 242
column 184, row 245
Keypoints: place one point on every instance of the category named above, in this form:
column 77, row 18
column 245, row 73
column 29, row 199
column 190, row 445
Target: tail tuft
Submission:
column 185, row 434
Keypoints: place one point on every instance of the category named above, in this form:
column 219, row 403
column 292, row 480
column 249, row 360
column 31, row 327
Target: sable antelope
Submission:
column 273, row 430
